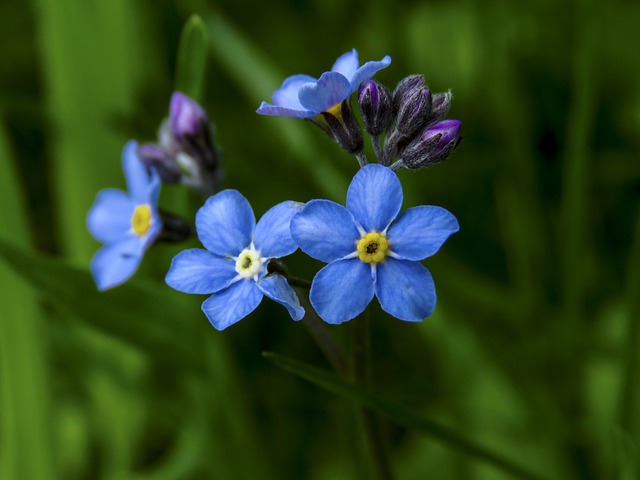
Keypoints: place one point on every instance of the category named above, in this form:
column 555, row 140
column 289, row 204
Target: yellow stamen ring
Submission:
column 141, row 220
column 373, row 247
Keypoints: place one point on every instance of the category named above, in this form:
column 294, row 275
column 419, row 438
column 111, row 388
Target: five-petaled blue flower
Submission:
column 367, row 253
column 127, row 223
column 302, row 96
column 233, row 266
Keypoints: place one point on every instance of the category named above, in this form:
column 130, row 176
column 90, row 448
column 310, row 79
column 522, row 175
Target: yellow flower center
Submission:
column 248, row 263
column 141, row 220
column 373, row 247
column 336, row 110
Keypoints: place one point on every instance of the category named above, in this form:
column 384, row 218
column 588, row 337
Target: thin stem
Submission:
column 362, row 158
column 375, row 140
column 361, row 373
column 299, row 282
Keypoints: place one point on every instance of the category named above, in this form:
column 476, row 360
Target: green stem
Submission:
column 361, row 374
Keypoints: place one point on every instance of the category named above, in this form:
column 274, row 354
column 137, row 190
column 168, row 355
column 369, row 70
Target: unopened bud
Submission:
column 433, row 145
column 375, row 104
column 191, row 129
column 413, row 112
column 406, row 87
column 154, row 156
column 440, row 103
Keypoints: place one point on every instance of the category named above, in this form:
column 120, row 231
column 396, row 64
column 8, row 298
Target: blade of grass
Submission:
column 25, row 430
column 192, row 58
column 397, row 414
column 149, row 318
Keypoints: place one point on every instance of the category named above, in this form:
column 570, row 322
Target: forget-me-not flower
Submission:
column 126, row 222
column 302, row 96
column 233, row 268
column 370, row 251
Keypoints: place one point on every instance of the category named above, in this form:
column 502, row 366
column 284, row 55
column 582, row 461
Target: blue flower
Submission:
column 233, row 266
column 127, row 223
column 370, row 253
column 302, row 96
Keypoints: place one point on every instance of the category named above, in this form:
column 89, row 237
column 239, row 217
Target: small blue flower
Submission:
column 127, row 223
column 233, row 266
column 302, row 96
column 367, row 253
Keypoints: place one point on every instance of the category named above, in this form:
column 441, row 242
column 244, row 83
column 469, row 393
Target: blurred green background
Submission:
column 534, row 348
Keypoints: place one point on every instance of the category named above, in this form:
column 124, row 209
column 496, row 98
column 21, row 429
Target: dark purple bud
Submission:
column 433, row 145
column 154, row 156
column 174, row 228
column 375, row 104
column 440, row 103
column 413, row 112
column 344, row 129
column 191, row 129
column 405, row 88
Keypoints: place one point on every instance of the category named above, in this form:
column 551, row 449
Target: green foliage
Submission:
column 533, row 349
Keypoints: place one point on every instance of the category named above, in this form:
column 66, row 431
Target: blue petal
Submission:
column 347, row 64
column 116, row 262
column 277, row 289
column 273, row 111
column 225, row 223
column 228, row 306
column 330, row 89
column 287, row 95
column 110, row 216
column 405, row 289
column 153, row 188
column 368, row 70
column 200, row 271
column 272, row 237
column 342, row 290
column 374, row 197
column 419, row 232
column 154, row 230
column 136, row 173
column 325, row 230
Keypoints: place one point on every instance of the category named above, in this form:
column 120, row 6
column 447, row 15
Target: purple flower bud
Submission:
column 154, row 156
column 440, row 103
column 413, row 112
column 433, row 145
column 405, row 88
column 375, row 104
column 188, row 118
column 191, row 130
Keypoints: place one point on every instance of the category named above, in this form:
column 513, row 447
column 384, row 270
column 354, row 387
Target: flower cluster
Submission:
column 371, row 249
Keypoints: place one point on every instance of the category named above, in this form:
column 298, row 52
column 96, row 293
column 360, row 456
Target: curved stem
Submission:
column 361, row 373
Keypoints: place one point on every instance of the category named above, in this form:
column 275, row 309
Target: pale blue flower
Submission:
column 126, row 222
column 370, row 251
column 302, row 96
column 233, row 268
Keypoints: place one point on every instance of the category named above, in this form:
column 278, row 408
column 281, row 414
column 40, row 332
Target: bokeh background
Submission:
column 534, row 348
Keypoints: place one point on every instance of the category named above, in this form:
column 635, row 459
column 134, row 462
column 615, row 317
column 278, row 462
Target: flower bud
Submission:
column 413, row 112
column 375, row 104
column 433, row 145
column 440, row 103
column 405, row 88
column 155, row 156
column 191, row 129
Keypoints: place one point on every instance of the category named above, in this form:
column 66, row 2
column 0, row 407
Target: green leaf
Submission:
column 150, row 318
column 192, row 58
column 25, row 430
column 397, row 414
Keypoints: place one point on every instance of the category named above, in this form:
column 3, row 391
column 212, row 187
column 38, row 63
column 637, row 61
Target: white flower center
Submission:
column 249, row 263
